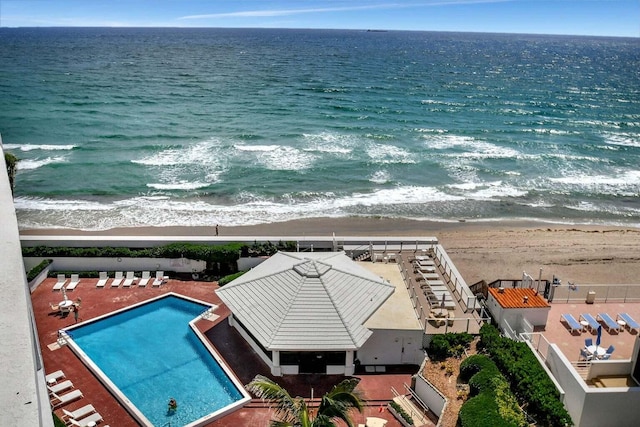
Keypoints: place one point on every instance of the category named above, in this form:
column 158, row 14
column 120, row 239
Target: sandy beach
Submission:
column 482, row 250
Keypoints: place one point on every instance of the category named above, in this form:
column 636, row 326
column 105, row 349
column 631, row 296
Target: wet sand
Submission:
column 480, row 250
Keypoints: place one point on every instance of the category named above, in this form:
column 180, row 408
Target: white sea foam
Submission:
column 380, row 177
column 141, row 211
column 327, row 142
column 204, row 154
column 389, row 154
column 447, row 141
column 44, row 147
column 183, row 185
column 42, row 204
column 279, row 157
column 28, row 164
column 494, row 190
column 626, row 139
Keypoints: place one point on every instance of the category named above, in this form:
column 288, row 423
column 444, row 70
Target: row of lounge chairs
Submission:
column 587, row 321
column 81, row 417
column 129, row 279
column 62, row 281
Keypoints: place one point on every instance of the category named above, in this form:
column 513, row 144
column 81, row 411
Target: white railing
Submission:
column 603, row 293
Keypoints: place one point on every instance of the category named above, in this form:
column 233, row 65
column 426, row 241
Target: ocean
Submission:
column 126, row 127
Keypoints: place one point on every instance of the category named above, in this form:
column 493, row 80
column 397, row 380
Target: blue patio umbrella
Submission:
column 599, row 336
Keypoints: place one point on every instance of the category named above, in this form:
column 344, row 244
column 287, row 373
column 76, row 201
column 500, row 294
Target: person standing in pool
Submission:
column 173, row 405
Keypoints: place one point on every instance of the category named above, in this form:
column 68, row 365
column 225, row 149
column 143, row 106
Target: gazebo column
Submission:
column 275, row 364
column 349, row 367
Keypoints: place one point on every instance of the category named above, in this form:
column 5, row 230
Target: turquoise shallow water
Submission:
column 133, row 127
column 152, row 355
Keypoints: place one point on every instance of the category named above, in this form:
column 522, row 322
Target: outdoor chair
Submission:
column 585, row 355
column 588, row 342
column 607, row 354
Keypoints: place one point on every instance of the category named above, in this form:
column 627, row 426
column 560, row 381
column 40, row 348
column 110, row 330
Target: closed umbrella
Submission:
column 599, row 336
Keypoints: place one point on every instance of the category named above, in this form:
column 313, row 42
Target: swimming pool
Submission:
column 149, row 353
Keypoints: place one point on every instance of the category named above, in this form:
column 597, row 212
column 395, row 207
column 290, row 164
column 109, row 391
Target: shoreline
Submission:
column 480, row 250
column 321, row 226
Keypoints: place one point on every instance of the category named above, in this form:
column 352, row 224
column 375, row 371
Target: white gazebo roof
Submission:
column 307, row 301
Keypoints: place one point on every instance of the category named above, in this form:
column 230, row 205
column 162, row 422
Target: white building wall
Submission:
column 180, row 265
column 431, row 397
column 392, row 347
column 590, row 406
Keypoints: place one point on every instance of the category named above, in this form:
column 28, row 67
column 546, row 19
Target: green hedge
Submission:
column 33, row 273
column 529, row 381
column 231, row 277
column 449, row 345
column 492, row 402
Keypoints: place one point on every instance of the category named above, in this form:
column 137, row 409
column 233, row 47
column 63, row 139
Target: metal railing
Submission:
column 600, row 293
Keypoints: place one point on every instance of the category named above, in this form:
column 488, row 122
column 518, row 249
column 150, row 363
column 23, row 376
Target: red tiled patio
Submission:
column 376, row 388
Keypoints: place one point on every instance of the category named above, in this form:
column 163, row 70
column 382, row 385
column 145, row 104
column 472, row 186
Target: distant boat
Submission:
column 376, row 31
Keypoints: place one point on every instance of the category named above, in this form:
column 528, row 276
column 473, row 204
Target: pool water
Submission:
column 151, row 354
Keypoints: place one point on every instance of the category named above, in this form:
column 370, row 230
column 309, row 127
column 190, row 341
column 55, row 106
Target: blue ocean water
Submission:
column 151, row 355
column 132, row 127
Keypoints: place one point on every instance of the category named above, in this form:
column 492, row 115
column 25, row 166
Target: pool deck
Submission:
column 376, row 388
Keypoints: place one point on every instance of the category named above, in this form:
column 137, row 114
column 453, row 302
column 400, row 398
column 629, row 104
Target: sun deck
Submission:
column 229, row 344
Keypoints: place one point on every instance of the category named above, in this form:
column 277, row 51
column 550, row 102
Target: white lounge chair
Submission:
column 53, row 377
column 117, row 279
column 128, row 280
column 64, row 385
column 78, row 413
column 144, row 279
column 92, row 419
column 102, row 279
column 75, row 279
column 63, row 399
column 159, row 278
column 60, row 283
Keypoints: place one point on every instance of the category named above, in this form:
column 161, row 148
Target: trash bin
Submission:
column 591, row 297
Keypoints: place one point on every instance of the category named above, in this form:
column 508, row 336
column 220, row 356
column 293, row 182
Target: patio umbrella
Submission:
column 599, row 336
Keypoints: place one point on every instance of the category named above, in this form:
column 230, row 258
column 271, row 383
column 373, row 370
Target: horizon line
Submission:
column 318, row 29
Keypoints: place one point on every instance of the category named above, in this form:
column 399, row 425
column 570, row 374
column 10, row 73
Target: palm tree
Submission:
column 294, row 412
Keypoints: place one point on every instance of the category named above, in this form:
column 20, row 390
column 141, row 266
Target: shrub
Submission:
column 491, row 392
column 474, row 364
column 529, row 381
column 400, row 411
column 230, row 278
column 448, row 345
column 33, row 273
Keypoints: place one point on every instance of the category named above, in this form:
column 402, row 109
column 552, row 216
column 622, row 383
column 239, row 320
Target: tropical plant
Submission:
column 294, row 412
column 12, row 167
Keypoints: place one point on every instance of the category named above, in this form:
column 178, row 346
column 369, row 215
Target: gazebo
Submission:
column 305, row 312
